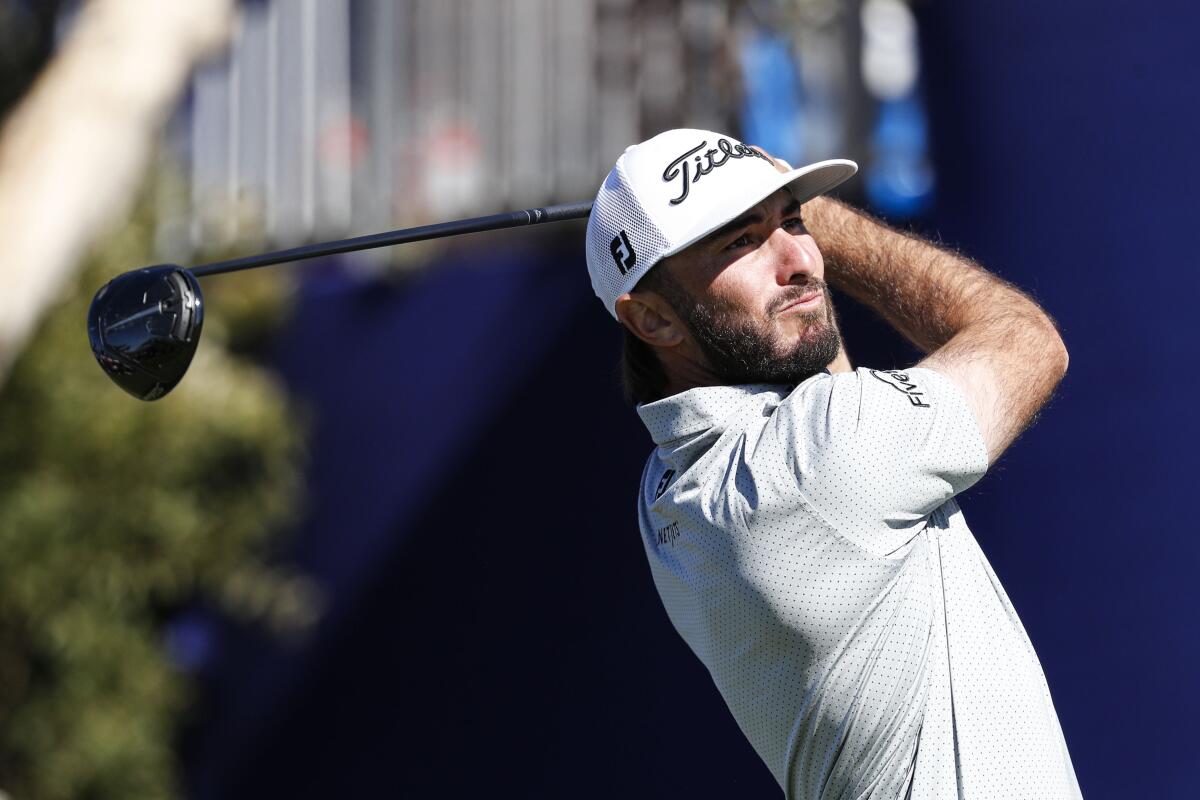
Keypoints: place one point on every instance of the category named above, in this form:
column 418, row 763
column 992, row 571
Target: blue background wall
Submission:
column 1067, row 138
column 493, row 626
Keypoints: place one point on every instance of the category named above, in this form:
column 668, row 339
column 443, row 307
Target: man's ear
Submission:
column 650, row 318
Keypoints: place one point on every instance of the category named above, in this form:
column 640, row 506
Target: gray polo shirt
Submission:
column 807, row 546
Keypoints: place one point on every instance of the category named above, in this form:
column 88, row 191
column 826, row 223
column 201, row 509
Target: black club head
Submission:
column 144, row 326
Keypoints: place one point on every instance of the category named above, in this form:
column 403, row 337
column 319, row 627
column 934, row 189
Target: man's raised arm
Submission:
column 997, row 345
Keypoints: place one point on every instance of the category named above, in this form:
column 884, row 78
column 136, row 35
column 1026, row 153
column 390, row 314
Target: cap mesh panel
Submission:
column 616, row 209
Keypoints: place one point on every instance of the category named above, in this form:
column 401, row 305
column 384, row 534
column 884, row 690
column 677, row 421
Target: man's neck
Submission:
column 684, row 372
column 842, row 362
column 689, row 373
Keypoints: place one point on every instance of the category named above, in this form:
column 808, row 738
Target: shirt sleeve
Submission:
column 876, row 451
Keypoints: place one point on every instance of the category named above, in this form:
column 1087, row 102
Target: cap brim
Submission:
column 805, row 183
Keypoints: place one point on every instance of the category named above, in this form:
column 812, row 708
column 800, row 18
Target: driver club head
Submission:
column 144, row 326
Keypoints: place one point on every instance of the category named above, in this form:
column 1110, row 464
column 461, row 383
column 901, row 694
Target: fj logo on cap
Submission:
column 725, row 151
column 622, row 252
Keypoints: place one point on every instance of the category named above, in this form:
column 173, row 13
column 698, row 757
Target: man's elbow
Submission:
column 1055, row 356
column 1064, row 358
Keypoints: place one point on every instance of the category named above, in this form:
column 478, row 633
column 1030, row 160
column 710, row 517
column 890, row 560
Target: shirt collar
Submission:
column 694, row 410
column 700, row 409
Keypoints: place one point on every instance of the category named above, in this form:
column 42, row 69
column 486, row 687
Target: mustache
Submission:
column 795, row 291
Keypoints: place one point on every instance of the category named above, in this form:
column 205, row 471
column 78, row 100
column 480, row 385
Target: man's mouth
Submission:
column 806, row 302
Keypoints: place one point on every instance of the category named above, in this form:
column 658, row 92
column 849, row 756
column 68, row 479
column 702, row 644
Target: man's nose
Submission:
column 794, row 257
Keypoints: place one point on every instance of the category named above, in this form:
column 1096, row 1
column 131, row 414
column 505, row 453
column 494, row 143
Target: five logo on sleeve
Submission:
column 900, row 381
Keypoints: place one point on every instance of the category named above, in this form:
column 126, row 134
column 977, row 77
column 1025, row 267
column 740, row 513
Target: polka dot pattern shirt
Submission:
column 807, row 547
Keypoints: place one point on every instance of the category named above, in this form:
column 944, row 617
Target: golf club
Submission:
column 144, row 325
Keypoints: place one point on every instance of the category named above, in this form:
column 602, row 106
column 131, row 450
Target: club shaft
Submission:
column 513, row 219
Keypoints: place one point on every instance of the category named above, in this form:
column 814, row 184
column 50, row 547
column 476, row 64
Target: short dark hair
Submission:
column 642, row 372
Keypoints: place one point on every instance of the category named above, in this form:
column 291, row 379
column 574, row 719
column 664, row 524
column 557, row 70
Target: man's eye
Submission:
column 741, row 241
column 794, row 224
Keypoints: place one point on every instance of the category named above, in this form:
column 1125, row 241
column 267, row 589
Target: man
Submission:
column 799, row 515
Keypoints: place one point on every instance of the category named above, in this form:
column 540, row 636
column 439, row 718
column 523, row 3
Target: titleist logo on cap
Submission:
column 706, row 163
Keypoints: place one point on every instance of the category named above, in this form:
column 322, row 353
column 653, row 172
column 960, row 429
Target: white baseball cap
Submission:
column 673, row 190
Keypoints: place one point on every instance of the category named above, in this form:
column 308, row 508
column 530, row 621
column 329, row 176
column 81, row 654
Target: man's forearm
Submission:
column 928, row 294
column 999, row 345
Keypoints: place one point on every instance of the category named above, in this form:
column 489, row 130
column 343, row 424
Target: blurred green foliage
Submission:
column 113, row 514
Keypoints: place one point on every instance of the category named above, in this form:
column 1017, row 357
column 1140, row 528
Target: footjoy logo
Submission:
column 664, row 483
column 622, row 252
column 713, row 158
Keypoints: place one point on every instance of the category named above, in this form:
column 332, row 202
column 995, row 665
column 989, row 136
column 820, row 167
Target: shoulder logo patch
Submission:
column 901, row 382
column 664, row 483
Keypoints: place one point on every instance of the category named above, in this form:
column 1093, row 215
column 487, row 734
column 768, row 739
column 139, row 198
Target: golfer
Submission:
column 799, row 514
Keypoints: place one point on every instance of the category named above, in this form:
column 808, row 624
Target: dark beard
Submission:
column 740, row 351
